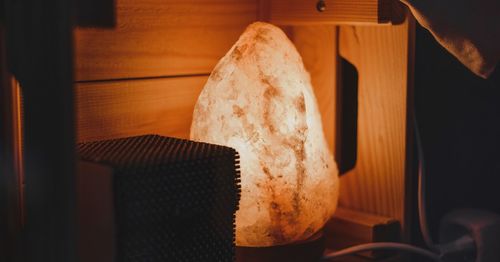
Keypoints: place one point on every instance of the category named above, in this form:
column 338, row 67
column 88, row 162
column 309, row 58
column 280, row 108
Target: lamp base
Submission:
column 305, row 251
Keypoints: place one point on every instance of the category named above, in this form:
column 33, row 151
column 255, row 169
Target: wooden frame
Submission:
column 108, row 83
column 381, row 54
column 336, row 12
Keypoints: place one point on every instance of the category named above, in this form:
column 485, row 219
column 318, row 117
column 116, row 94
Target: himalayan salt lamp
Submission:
column 259, row 100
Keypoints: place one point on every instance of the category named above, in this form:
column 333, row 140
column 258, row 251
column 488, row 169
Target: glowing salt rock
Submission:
column 259, row 100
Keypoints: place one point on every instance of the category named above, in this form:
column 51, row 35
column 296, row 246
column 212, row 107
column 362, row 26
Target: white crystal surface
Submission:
column 259, row 100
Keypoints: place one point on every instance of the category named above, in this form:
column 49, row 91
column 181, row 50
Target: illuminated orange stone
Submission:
column 259, row 100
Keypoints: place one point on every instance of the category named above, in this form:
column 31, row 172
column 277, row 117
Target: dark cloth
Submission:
column 468, row 29
column 459, row 118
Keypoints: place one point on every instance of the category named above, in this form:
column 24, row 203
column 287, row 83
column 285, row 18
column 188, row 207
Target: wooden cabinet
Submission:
column 144, row 73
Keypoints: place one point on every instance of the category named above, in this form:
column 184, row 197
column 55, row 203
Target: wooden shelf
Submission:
column 350, row 227
column 300, row 12
column 158, row 38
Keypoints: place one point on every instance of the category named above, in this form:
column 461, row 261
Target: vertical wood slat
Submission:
column 382, row 55
column 157, row 38
column 39, row 44
column 411, row 189
column 377, row 184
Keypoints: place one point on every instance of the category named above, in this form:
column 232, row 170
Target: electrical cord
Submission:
column 382, row 246
column 436, row 253
column 459, row 246
column 422, row 209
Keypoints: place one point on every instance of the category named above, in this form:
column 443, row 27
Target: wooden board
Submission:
column 348, row 228
column 318, row 47
column 362, row 226
column 382, row 56
column 300, row 12
column 161, row 38
column 127, row 108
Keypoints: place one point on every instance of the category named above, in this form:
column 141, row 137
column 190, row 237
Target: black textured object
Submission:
column 174, row 200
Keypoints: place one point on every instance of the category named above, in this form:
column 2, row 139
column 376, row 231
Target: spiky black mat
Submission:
column 174, row 199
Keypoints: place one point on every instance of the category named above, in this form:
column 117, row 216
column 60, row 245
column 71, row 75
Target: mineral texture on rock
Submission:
column 259, row 100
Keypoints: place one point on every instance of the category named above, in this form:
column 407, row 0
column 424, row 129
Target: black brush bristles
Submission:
column 175, row 200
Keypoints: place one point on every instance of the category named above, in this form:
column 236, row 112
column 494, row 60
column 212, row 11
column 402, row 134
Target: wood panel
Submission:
column 41, row 59
column 123, row 108
column 116, row 109
column 382, row 57
column 318, row 47
column 161, row 38
column 300, row 12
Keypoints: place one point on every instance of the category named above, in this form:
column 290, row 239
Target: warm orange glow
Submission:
column 259, row 100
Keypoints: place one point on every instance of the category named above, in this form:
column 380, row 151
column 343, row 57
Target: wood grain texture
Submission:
column 318, row 47
column 300, row 12
column 381, row 55
column 161, row 38
column 349, row 227
column 105, row 111
column 117, row 109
